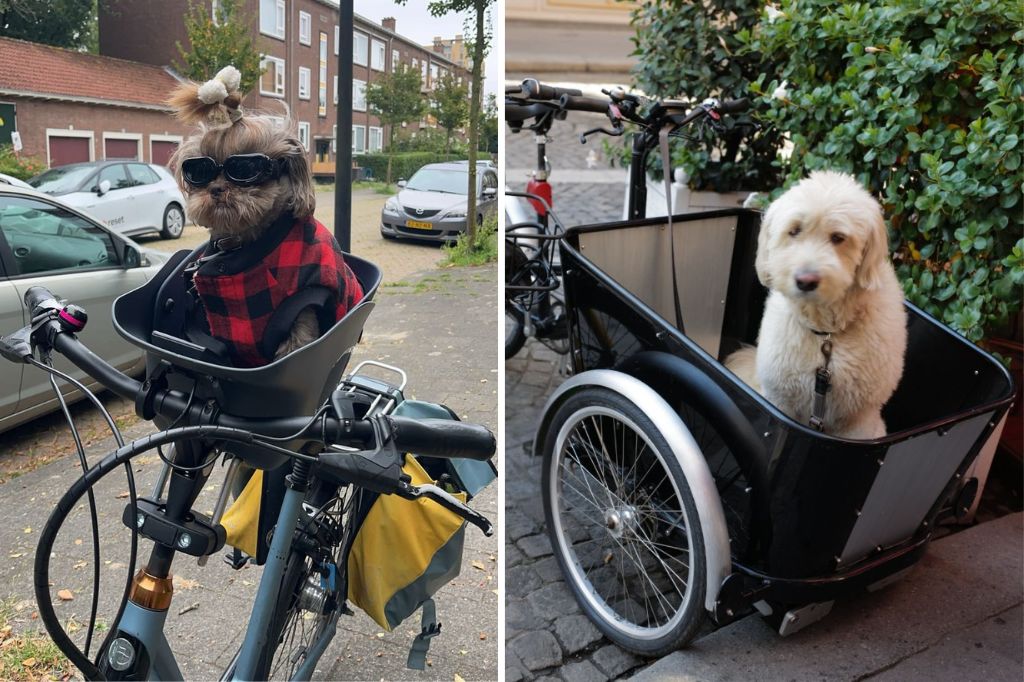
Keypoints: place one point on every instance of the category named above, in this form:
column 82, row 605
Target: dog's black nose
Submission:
column 807, row 281
column 216, row 191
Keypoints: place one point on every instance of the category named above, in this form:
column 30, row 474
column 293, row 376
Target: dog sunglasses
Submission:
column 244, row 170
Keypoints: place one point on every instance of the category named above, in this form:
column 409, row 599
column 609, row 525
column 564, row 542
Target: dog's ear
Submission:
column 876, row 253
column 763, row 237
column 303, row 200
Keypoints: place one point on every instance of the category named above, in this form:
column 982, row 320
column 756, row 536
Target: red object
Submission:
column 542, row 189
column 253, row 294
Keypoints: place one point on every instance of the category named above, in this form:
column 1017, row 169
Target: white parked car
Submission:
column 11, row 180
column 127, row 196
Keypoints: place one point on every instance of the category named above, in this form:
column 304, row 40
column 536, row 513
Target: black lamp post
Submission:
column 343, row 141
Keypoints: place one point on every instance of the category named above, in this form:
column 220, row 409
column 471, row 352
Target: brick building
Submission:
column 299, row 41
column 69, row 106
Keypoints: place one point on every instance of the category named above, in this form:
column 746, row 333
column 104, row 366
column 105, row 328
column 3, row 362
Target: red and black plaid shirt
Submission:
column 252, row 295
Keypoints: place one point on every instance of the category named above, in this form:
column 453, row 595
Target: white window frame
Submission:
column 354, row 150
column 356, row 35
column 214, row 12
column 162, row 138
column 396, row 59
column 335, row 89
column 334, row 139
column 305, row 28
column 123, row 136
column 279, row 75
column 280, row 13
column 378, row 132
column 337, row 38
column 304, row 126
column 378, row 49
column 355, row 87
column 64, row 132
column 304, row 93
column 423, row 72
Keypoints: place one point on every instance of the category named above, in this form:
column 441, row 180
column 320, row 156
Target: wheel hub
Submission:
column 620, row 520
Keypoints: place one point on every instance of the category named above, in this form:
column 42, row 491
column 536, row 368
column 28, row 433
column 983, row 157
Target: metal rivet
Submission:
column 185, row 540
column 858, row 512
column 767, row 433
column 880, row 462
column 139, row 520
column 729, row 612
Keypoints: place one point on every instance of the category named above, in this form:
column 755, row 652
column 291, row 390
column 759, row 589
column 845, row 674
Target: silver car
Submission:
column 432, row 204
column 127, row 196
column 43, row 242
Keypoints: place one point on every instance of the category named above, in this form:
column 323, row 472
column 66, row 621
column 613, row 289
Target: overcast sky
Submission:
column 414, row 21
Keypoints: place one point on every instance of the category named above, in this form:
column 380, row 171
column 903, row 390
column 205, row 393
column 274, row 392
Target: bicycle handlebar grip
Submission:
column 734, row 106
column 520, row 113
column 579, row 103
column 443, row 438
column 534, row 89
column 37, row 296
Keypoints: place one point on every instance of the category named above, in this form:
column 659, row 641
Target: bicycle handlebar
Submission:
column 430, row 437
column 734, row 106
column 534, row 89
column 580, row 103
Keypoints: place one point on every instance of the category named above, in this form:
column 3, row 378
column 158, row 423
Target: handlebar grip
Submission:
column 518, row 113
column 579, row 103
column 734, row 106
column 534, row 89
column 443, row 438
column 38, row 296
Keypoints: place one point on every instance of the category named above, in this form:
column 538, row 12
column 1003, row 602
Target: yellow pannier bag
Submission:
column 403, row 552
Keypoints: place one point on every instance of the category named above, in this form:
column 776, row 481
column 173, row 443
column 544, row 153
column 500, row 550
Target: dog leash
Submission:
column 822, row 382
column 663, row 142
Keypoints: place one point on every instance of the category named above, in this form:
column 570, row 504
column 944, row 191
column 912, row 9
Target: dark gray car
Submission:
column 44, row 242
column 432, row 204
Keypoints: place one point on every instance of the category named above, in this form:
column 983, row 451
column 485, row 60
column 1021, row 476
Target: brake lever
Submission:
column 616, row 131
column 17, row 347
column 452, row 504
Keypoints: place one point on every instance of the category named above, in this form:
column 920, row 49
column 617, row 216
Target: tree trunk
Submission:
column 474, row 120
column 391, row 151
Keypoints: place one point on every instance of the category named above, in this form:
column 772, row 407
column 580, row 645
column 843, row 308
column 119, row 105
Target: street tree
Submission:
column 478, row 17
column 489, row 126
column 395, row 99
column 450, row 106
column 63, row 23
column 217, row 42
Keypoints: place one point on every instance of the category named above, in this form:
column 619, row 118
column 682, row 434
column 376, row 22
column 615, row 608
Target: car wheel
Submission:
column 174, row 222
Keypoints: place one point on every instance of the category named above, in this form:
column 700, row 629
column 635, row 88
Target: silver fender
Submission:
column 684, row 447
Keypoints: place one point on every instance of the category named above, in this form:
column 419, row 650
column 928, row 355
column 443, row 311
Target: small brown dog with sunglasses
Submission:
column 272, row 278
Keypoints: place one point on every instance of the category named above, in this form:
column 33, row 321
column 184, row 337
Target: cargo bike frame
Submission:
column 675, row 493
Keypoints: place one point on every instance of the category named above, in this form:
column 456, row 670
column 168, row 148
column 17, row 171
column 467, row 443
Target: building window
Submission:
column 304, row 74
column 272, row 18
column 305, row 28
column 423, row 72
column 321, row 89
column 272, row 80
column 358, row 139
column 433, row 75
column 359, row 45
column 377, row 56
column 334, row 139
column 335, row 89
column 304, row 134
column 337, row 39
column 395, row 59
column 358, row 95
column 376, row 139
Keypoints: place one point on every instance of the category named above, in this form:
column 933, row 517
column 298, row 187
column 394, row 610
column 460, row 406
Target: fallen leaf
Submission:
column 65, row 595
column 78, row 541
column 123, row 495
column 190, row 607
column 458, row 678
column 380, row 635
column 81, row 564
column 28, row 662
column 478, row 565
column 17, row 554
column 483, row 636
column 29, row 530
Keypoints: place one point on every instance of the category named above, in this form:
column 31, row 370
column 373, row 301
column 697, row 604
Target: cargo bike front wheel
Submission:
column 623, row 523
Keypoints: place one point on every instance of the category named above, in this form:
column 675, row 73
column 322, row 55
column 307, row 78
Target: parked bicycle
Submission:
column 326, row 449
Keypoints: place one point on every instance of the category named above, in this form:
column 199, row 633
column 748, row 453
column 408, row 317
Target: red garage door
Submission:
column 121, row 149
column 65, row 150
column 162, row 151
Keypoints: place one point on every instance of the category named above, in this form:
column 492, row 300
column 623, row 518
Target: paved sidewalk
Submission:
column 441, row 330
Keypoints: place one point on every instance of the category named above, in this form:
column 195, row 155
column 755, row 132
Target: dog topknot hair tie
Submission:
column 193, row 102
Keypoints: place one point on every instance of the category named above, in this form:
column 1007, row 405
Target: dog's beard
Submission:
column 238, row 211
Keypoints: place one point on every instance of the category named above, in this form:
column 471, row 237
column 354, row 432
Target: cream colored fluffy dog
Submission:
column 823, row 253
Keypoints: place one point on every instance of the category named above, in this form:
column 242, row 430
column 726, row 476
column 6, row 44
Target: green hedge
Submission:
column 18, row 165
column 403, row 165
column 922, row 102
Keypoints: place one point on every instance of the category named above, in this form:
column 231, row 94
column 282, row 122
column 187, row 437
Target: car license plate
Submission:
column 419, row 224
